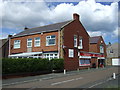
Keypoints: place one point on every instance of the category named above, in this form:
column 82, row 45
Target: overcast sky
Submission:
column 97, row 18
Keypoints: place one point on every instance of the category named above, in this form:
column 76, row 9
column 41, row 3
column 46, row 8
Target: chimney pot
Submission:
column 26, row 28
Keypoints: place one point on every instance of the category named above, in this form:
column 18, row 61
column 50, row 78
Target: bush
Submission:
column 22, row 65
column 57, row 64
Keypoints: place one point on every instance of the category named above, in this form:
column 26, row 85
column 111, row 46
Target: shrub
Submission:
column 22, row 65
column 57, row 64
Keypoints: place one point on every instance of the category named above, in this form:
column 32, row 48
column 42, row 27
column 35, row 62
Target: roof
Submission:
column 25, row 54
column 94, row 39
column 47, row 28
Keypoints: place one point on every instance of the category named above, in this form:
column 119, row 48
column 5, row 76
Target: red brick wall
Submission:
column 96, row 47
column 74, row 28
column 35, row 49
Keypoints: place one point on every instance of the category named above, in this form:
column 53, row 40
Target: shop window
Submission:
column 51, row 56
column 84, row 62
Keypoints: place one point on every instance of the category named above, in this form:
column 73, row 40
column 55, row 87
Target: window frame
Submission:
column 75, row 41
column 47, row 40
column 29, row 41
column 51, row 55
column 84, row 62
column 101, row 51
column 15, row 44
column 35, row 45
column 80, row 44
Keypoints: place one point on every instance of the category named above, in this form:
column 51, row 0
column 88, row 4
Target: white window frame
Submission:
column 75, row 40
column 29, row 41
column 51, row 55
column 101, row 49
column 35, row 42
column 71, row 53
column 80, row 43
column 17, row 42
column 48, row 38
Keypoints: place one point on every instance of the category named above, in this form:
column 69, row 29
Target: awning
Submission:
column 91, row 54
column 25, row 54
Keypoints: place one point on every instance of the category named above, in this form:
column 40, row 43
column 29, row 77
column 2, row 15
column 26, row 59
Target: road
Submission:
column 78, row 80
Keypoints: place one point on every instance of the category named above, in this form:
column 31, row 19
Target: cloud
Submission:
column 116, row 32
column 96, row 18
column 97, row 33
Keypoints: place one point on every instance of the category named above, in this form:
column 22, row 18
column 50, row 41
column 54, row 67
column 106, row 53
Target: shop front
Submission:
column 91, row 60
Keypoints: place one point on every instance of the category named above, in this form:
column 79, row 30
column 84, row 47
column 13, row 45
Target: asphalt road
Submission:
column 87, row 79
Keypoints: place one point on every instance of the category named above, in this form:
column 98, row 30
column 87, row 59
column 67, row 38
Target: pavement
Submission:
column 72, row 79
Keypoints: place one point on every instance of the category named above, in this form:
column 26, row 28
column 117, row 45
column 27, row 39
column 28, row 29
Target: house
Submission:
column 113, row 53
column 4, row 48
column 97, row 45
column 68, row 40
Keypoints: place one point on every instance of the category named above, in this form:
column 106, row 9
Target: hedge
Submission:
column 22, row 65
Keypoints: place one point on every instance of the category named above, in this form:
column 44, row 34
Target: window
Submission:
column 80, row 43
column 111, row 51
column 37, row 42
column 50, row 40
column 71, row 53
column 29, row 42
column 84, row 62
column 101, row 49
column 75, row 40
column 17, row 44
column 51, row 55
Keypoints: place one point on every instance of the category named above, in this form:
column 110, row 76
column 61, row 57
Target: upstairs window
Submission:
column 75, row 40
column 80, row 43
column 50, row 40
column 37, row 42
column 29, row 42
column 111, row 51
column 101, row 49
column 17, row 44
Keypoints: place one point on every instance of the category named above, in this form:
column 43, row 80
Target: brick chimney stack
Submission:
column 26, row 28
column 75, row 16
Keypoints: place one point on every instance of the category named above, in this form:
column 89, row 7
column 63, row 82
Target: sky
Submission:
column 98, row 18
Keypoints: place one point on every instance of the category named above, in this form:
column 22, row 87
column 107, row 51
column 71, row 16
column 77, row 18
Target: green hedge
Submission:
column 22, row 65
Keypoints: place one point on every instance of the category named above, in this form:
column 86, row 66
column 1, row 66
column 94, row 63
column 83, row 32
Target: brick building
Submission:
column 97, row 45
column 68, row 40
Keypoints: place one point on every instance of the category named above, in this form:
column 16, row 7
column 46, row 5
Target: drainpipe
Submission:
column 59, row 44
column 9, row 38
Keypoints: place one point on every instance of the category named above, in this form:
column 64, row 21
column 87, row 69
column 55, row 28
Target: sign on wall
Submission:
column 71, row 53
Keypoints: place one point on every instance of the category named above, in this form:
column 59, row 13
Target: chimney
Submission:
column 26, row 28
column 75, row 16
column 9, row 36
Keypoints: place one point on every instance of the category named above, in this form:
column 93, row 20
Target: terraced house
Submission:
column 68, row 40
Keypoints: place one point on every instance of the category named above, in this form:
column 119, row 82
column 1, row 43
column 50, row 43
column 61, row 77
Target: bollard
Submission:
column 78, row 69
column 96, row 67
column 114, row 76
column 88, row 68
column 64, row 71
